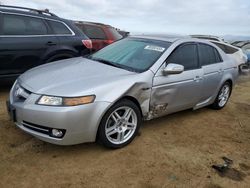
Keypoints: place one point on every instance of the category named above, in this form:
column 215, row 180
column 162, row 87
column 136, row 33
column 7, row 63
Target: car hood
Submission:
column 71, row 77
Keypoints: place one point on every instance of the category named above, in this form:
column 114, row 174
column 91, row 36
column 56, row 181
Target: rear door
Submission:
column 24, row 39
column 175, row 92
column 212, row 65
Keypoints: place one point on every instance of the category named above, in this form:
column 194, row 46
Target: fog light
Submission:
column 57, row 133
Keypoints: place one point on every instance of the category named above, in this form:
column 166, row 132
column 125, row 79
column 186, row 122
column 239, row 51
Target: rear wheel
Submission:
column 120, row 124
column 223, row 96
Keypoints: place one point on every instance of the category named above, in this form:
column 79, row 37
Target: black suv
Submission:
column 30, row 37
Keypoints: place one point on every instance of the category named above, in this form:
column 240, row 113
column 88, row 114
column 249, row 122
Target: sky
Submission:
column 214, row 17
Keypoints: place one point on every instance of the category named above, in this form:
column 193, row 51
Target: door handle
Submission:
column 198, row 78
column 50, row 43
column 220, row 71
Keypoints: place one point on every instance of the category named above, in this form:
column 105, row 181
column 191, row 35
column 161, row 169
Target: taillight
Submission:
column 87, row 43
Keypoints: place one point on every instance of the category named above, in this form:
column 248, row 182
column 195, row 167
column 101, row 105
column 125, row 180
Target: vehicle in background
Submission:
column 246, row 50
column 100, row 34
column 31, row 37
column 106, row 95
column 124, row 34
column 245, row 46
column 208, row 37
column 236, row 43
column 240, row 44
column 236, row 53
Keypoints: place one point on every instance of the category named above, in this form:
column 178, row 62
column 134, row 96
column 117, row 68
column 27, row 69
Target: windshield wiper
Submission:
column 106, row 62
column 113, row 64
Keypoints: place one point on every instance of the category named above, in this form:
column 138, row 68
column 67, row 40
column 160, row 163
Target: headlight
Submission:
column 65, row 101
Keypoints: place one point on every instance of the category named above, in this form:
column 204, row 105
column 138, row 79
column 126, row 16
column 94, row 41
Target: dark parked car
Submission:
column 100, row 34
column 30, row 37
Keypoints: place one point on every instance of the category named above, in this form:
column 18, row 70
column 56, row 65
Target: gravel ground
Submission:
column 174, row 151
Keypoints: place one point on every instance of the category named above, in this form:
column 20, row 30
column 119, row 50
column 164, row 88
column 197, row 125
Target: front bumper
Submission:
column 79, row 122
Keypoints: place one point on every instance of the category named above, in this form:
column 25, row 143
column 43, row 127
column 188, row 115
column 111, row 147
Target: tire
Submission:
column 120, row 124
column 223, row 96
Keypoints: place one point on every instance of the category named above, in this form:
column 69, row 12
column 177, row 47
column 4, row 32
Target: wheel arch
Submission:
column 60, row 54
column 126, row 97
column 134, row 100
column 230, row 81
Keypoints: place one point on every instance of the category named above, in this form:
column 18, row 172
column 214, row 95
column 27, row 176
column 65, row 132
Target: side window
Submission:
column 23, row 25
column 231, row 50
column 185, row 55
column 94, row 32
column 208, row 55
column 59, row 28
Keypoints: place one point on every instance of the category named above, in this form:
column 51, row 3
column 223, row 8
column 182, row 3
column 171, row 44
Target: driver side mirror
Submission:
column 173, row 68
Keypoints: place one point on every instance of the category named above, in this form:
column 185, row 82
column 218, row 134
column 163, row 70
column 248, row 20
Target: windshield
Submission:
column 133, row 54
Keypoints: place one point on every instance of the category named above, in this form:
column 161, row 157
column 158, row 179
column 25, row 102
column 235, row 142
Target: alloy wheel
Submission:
column 224, row 95
column 121, row 125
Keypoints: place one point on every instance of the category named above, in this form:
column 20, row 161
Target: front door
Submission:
column 175, row 92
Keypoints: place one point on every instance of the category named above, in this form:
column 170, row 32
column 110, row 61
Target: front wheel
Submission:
column 223, row 96
column 120, row 124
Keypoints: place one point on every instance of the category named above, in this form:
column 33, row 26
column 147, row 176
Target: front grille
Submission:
column 37, row 128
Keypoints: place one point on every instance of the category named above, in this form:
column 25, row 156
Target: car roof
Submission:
column 175, row 38
column 92, row 23
column 30, row 12
column 212, row 37
column 224, row 43
column 167, row 38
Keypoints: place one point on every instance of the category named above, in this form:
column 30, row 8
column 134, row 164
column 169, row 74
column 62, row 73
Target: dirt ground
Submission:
column 174, row 151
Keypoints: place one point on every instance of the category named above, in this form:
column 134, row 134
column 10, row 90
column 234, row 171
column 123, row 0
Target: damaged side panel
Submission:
column 174, row 92
column 141, row 92
column 160, row 99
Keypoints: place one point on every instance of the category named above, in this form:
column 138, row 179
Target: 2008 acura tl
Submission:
column 106, row 96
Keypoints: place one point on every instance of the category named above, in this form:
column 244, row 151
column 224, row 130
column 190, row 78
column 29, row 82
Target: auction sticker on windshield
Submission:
column 154, row 48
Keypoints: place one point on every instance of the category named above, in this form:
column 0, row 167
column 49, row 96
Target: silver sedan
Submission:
column 106, row 95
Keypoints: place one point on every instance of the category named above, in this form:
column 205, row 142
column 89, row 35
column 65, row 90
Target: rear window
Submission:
column 59, row 28
column 115, row 33
column 227, row 49
column 23, row 25
column 208, row 55
column 231, row 50
column 93, row 32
